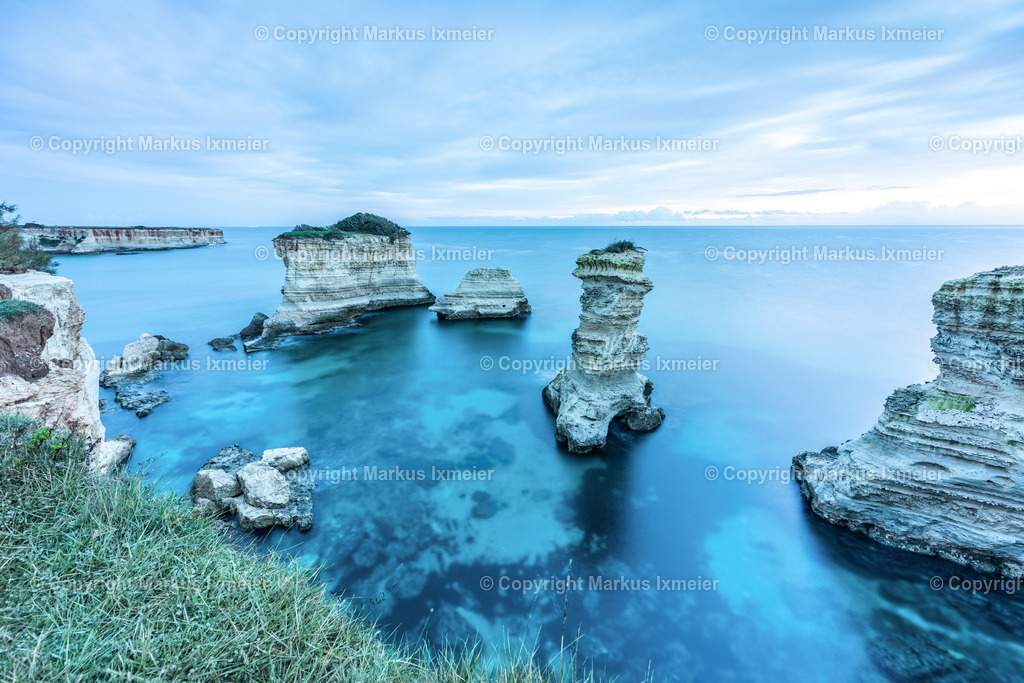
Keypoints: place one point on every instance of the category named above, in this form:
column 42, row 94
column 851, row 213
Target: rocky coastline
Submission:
column 484, row 293
column 942, row 471
column 50, row 371
column 334, row 275
column 69, row 239
column 602, row 382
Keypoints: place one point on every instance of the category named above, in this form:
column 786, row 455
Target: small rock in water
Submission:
column 223, row 344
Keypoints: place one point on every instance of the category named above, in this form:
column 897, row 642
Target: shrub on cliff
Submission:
column 16, row 256
column 618, row 247
column 107, row 578
column 360, row 223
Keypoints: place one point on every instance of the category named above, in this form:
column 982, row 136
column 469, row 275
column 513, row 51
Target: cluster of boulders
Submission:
column 261, row 490
column 127, row 374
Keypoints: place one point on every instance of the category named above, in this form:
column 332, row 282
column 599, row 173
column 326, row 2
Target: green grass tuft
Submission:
column 11, row 307
column 105, row 578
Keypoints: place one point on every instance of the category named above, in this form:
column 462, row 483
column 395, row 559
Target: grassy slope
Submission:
column 107, row 579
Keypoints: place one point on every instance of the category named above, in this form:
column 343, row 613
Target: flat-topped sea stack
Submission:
column 360, row 264
column 48, row 371
column 602, row 382
column 69, row 239
column 942, row 471
column 484, row 293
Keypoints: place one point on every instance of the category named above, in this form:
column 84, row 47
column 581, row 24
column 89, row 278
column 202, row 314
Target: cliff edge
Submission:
column 942, row 471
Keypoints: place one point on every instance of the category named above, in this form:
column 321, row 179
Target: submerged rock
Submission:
column 256, row 488
column 127, row 374
column 602, row 381
column 942, row 471
column 223, row 344
column 484, row 293
column 361, row 264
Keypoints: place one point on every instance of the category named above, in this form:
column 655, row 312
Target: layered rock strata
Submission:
column 484, row 293
column 602, row 382
column 55, row 374
column 330, row 281
column 93, row 240
column 262, row 491
column 942, row 471
column 127, row 374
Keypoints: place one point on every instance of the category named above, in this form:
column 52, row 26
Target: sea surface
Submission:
column 689, row 552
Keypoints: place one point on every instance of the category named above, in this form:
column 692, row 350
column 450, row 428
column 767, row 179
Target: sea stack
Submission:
column 48, row 371
column 335, row 274
column 942, row 471
column 484, row 293
column 602, row 381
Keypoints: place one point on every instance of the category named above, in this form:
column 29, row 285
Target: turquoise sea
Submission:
column 693, row 556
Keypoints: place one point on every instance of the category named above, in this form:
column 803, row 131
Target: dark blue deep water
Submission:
column 804, row 353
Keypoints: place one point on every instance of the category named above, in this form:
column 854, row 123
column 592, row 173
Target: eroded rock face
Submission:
column 484, row 293
column 262, row 491
column 602, row 381
column 128, row 374
column 67, row 395
column 330, row 282
column 942, row 471
column 25, row 328
column 91, row 240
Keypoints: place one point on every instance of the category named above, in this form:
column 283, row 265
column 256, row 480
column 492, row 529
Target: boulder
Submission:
column 286, row 459
column 263, row 486
column 223, row 344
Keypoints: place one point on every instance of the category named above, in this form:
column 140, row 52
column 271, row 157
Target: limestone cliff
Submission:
column 602, row 381
column 63, row 389
column 91, row 240
column 942, row 471
column 333, row 276
column 484, row 293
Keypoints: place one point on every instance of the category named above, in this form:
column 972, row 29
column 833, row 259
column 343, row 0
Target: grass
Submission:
column 11, row 307
column 944, row 400
column 105, row 578
column 359, row 223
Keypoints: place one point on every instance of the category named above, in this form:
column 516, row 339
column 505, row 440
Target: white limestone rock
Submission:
column 92, row 240
column 286, row 459
column 332, row 280
column 484, row 293
column 942, row 471
column 602, row 381
column 263, row 486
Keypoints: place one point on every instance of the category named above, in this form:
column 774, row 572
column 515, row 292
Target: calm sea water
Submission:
column 804, row 353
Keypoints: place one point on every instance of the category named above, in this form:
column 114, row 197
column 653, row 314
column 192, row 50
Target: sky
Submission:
column 551, row 114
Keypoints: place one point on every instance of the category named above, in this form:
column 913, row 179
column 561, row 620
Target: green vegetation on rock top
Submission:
column 618, row 247
column 11, row 307
column 944, row 400
column 356, row 224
